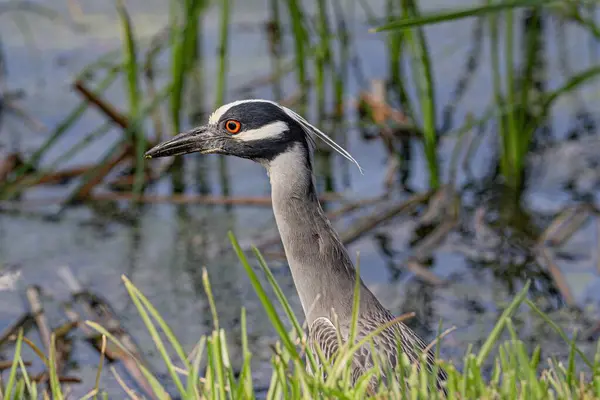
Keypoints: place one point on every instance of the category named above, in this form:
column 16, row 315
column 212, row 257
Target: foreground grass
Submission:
column 207, row 372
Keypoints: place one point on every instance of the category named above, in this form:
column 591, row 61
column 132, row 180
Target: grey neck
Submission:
column 318, row 260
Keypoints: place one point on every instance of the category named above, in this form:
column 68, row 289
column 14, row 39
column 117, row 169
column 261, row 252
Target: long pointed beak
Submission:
column 196, row 140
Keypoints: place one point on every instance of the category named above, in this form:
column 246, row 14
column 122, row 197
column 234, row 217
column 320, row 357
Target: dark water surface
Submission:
column 164, row 249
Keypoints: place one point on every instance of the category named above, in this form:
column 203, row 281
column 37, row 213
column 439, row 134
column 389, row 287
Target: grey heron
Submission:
column 322, row 270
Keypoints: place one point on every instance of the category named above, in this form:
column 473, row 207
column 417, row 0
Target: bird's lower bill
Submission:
column 184, row 143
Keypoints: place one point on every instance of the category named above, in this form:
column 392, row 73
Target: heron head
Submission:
column 256, row 129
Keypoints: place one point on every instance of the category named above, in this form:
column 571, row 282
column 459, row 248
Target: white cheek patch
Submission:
column 269, row 131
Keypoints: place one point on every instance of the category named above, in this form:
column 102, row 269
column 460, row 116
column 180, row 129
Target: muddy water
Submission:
column 164, row 248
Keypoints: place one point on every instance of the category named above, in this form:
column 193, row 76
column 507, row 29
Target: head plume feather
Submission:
column 311, row 131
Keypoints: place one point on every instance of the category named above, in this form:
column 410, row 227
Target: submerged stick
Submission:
column 198, row 199
column 556, row 223
column 127, row 182
column 100, row 311
column 9, row 164
column 423, row 272
column 564, row 225
column 105, row 107
column 331, row 215
column 434, row 239
column 557, row 276
column 258, row 201
column 62, row 346
column 37, row 310
column 569, row 228
column 43, row 377
column 4, row 365
column 350, row 207
column 364, row 224
column 22, row 322
column 369, row 222
column 57, row 177
column 85, row 190
column 424, row 250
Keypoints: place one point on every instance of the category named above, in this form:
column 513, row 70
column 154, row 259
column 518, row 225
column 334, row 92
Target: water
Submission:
column 164, row 248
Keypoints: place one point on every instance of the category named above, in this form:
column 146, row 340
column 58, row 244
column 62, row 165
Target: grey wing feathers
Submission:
column 323, row 333
column 397, row 337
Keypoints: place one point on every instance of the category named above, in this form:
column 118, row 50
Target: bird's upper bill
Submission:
column 199, row 140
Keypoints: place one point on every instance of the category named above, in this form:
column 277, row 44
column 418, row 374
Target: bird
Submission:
column 324, row 275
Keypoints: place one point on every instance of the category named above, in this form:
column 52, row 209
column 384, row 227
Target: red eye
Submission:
column 233, row 126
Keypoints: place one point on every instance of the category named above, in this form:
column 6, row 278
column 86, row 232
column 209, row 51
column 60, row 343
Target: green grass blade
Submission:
column 300, row 40
column 130, row 60
column 134, row 94
column 558, row 330
column 223, row 47
column 245, row 382
column 227, row 368
column 10, row 386
column 218, row 363
column 28, row 384
column 423, row 77
column 495, row 333
column 192, row 383
column 278, row 292
column 54, row 382
column 468, row 12
column 283, row 301
column 96, row 389
column 19, row 391
column 154, row 384
column 512, row 132
column 211, row 299
column 262, row 295
column 155, row 335
column 571, row 374
column 184, row 40
column 161, row 322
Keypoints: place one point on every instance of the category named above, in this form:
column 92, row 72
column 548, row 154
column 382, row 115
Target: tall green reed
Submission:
column 423, row 77
column 301, row 41
column 133, row 94
column 184, row 25
column 274, row 39
column 221, row 80
column 184, row 28
column 396, row 46
column 340, row 71
column 322, row 58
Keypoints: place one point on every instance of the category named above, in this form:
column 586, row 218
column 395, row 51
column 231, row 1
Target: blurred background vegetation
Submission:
column 475, row 122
